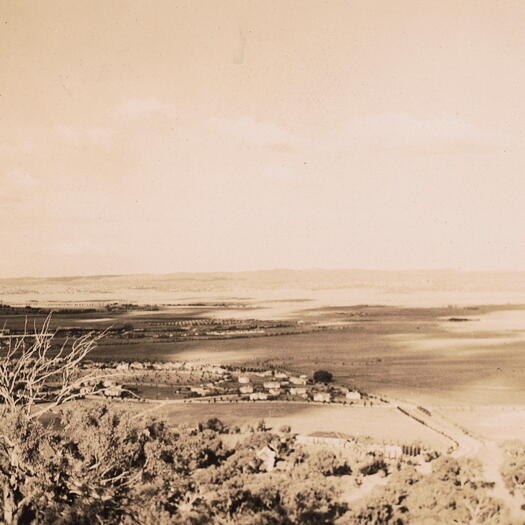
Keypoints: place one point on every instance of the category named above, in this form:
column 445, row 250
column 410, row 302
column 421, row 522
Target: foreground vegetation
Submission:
column 102, row 465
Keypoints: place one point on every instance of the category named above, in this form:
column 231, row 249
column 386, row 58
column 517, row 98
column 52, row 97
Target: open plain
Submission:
column 464, row 359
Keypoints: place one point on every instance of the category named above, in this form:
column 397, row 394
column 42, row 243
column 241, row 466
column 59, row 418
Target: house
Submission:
column 113, row 391
column 387, row 451
column 324, row 397
column 298, row 391
column 275, row 391
column 199, row 390
column 268, row 456
column 259, row 396
column 331, row 439
column 123, row 366
column 271, row 384
column 353, row 394
column 298, row 380
column 246, row 389
column 243, row 379
column 136, row 366
column 280, row 375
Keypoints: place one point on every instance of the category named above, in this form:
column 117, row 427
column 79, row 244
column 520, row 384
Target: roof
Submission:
column 337, row 435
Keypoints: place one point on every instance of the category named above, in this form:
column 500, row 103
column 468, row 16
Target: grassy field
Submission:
column 380, row 423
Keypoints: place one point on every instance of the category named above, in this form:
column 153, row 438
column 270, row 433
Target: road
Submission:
column 488, row 452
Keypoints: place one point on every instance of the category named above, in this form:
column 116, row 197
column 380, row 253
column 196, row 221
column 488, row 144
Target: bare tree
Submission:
column 35, row 377
column 33, row 372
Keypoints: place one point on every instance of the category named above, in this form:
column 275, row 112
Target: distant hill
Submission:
column 311, row 279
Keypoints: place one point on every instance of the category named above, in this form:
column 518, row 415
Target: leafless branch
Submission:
column 34, row 371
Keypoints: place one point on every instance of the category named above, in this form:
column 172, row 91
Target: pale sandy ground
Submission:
column 498, row 423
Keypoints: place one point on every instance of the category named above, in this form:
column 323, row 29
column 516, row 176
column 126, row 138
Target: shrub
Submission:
column 322, row 376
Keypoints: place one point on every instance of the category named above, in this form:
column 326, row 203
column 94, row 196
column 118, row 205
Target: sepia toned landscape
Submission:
column 405, row 386
column 262, row 262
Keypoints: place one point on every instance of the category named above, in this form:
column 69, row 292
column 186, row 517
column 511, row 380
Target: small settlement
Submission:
column 194, row 381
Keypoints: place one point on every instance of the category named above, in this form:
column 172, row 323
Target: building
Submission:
column 298, row 380
column 323, row 397
column 243, row 379
column 246, row 389
column 280, row 375
column 331, row 439
column 298, row 391
column 271, row 384
column 353, row 394
column 199, row 390
column 113, row 391
column 259, row 396
column 275, row 391
column 268, row 456
column 387, row 451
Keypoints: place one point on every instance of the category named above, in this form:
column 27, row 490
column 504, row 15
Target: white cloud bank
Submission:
column 384, row 131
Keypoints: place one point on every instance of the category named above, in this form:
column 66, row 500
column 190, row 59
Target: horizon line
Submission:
column 262, row 270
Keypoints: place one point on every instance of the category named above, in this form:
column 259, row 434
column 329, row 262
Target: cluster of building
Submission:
column 268, row 385
column 188, row 366
column 192, row 379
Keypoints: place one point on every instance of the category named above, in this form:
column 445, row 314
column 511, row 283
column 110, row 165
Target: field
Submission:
column 379, row 423
column 409, row 353
column 412, row 354
column 497, row 423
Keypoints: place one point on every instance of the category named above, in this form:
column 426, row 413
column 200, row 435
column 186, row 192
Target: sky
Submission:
column 205, row 135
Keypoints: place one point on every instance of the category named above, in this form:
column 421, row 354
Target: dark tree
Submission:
column 323, row 376
column 215, row 424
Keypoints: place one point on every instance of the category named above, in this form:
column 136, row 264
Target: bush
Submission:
column 215, row 424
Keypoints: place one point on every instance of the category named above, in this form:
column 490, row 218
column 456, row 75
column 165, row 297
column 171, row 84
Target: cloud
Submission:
column 403, row 131
column 381, row 131
column 138, row 108
column 253, row 132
